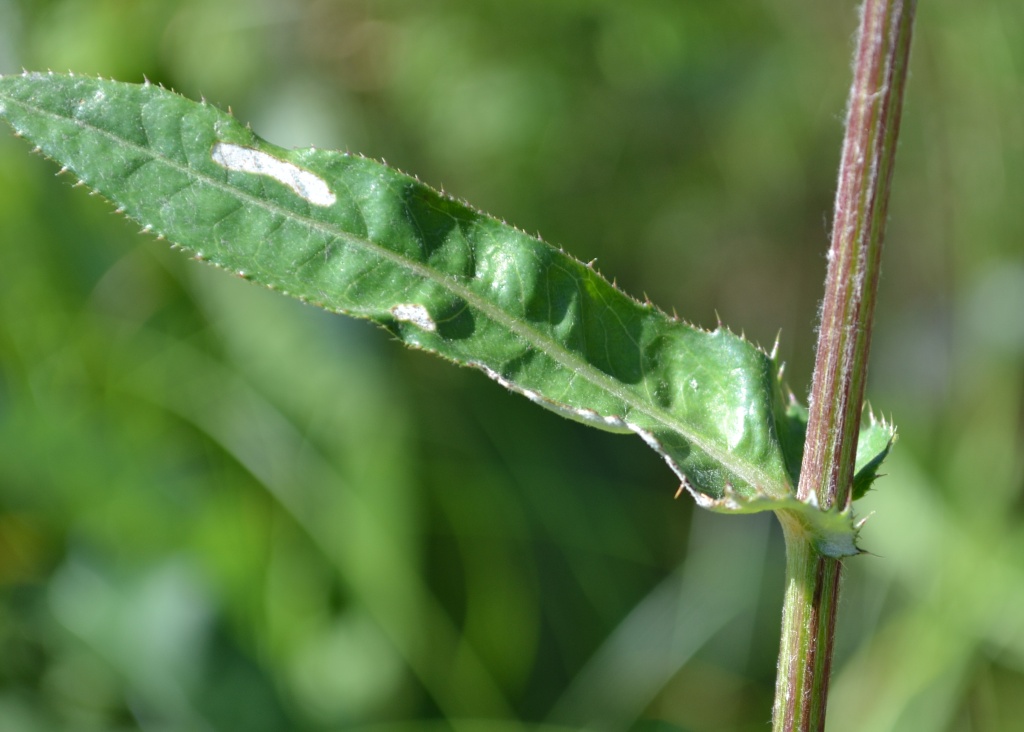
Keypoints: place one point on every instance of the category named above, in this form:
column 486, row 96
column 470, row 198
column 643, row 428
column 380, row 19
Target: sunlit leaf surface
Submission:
column 354, row 236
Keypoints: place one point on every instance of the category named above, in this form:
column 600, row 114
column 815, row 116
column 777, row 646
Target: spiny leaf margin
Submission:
column 440, row 276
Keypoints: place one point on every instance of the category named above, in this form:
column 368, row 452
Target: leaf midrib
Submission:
column 747, row 471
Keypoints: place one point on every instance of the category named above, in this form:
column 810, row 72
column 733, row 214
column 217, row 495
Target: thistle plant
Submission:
column 353, row 236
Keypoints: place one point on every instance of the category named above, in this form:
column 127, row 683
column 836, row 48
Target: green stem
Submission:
column 844, row 339
column 808, row 625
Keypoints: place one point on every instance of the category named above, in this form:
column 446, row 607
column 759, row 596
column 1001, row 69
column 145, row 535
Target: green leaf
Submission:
column 355, row 237
column 876, row 440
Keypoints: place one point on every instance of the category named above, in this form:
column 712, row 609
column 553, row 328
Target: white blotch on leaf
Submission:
column 415, row 314
column 309, row 186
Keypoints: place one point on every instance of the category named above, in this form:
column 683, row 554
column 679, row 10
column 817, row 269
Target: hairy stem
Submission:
column 844, row 339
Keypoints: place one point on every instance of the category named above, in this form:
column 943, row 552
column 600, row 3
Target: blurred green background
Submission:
column 221, row 510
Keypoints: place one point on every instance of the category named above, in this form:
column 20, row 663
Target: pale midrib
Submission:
column 747, row 471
